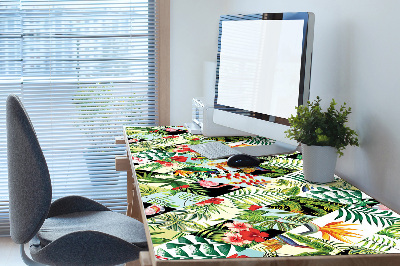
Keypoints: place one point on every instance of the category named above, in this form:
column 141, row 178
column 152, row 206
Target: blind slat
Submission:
column 83, row 70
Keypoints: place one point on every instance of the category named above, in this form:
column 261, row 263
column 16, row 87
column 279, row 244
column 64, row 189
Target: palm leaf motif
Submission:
column 372, row 216
column 244, row 198
column 360, row 250
column 205, row 211
column 215, row 233
column 334, row 194
column 176, row 221
column 392, row 231
column 299, row 219
column 140, row 146
column 285, row 163
column 196, row 188
column 262, row 220
column 274, row 171
column 317, row 253
column 188, row 247
column 149, row 166
column 150, row 177
column 259, row 141
column 306, row 206
column 146, row 190
column 315, row 243
column 379, row 243
column 155, row 154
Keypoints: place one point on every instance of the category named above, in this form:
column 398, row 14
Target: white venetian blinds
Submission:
column 83, row 69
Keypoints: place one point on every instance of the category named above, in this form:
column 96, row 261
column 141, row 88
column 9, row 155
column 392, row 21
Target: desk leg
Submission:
column 133, row 200
column 129, row 192
column 144, row 260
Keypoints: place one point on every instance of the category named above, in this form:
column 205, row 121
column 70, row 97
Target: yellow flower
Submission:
column 272, row 244
column 338, row 230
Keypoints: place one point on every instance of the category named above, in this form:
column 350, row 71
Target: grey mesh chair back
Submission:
column 28, row 176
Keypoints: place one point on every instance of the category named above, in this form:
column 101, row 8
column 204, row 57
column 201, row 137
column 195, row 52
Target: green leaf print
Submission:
column 372, row 216
column 246, row 197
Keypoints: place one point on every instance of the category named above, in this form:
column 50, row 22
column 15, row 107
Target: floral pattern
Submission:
column 198, row 208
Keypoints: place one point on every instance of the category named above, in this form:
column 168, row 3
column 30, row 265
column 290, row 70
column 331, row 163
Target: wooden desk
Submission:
column 203, row 212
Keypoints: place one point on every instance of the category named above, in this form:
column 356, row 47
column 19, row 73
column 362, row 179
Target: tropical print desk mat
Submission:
column 198, row 208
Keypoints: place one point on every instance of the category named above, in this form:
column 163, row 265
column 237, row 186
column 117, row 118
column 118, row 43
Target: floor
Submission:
column 9, row 253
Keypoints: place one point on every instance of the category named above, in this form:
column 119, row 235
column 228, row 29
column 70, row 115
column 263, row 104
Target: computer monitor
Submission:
column 263, row 73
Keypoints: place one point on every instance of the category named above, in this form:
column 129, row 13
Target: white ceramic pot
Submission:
column 319, row 163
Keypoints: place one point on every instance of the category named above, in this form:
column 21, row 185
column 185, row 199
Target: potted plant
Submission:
column 323, row 135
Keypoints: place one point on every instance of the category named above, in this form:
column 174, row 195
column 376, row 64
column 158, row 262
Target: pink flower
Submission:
column 208, row 184
column 153, row 210
column 381, row 207
column 235, row 239
column 238, row 226
column 171, row 129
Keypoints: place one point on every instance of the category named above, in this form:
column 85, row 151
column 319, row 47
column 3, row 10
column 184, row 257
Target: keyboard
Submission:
column 214, row 150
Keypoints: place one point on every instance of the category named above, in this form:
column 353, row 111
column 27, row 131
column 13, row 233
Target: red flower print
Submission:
column 238, row 226
column 179, row 158
column 182, row 148
column 195, row 139
column 202, row 203
column 161, row 258
column 133, row 140
column 164, row 163
column 139, row 160
column 235, row 239
column 214, row 201
column 254, row 207
column 170, row 137
column 237, row 256
column 171, row 129
column 254, row 235
column 210, row 201
column 181, row 187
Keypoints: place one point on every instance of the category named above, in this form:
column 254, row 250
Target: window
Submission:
column 83, row 69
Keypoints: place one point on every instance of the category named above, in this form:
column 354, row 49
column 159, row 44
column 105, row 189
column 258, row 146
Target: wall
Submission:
column 355, row 60
column 194, row 41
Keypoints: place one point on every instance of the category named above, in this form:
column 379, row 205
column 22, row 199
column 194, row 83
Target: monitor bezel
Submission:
column 305, row 69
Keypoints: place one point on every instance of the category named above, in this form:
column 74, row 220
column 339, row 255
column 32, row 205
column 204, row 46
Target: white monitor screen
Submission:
column 260, row 63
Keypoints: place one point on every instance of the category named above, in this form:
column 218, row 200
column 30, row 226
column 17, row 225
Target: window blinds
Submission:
column 83, row 69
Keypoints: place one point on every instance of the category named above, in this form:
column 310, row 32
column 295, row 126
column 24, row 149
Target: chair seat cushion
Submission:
column 108, row 222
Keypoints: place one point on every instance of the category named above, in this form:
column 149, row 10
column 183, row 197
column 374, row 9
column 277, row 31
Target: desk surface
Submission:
column 201, row 209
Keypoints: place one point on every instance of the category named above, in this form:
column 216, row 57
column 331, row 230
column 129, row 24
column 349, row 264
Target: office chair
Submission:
column 70, row 231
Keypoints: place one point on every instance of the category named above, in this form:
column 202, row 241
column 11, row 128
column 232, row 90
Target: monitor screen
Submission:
column 260, row 63
column 263, row 71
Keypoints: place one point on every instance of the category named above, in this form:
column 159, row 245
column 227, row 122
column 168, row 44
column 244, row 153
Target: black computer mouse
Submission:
column 243, row 160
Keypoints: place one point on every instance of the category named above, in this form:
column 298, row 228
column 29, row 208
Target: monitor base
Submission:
column 265, row 150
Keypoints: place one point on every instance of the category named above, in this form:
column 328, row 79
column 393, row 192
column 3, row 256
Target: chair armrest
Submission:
column 72, row 204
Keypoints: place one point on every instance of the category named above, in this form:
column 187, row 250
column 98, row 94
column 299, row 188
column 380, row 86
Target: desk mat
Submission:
column 198, row 208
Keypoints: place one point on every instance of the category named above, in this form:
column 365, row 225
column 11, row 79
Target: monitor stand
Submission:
column 265, row 150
